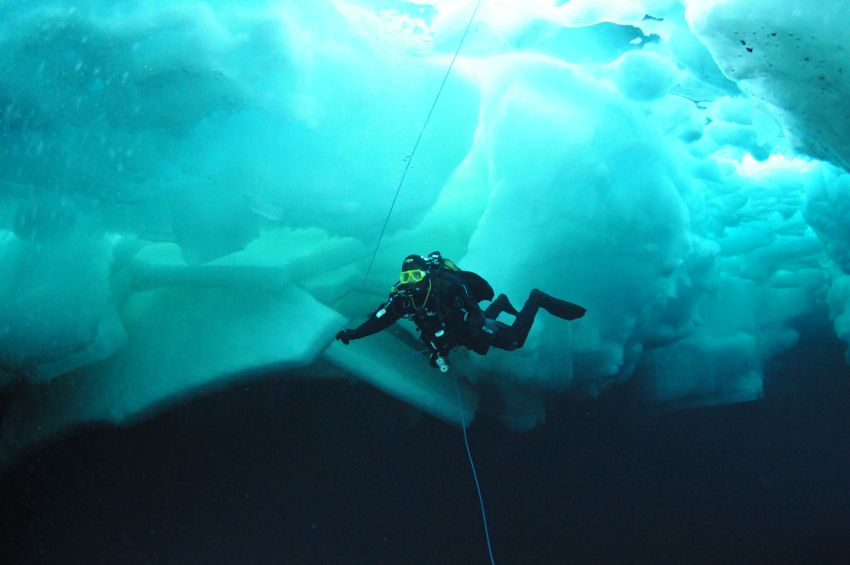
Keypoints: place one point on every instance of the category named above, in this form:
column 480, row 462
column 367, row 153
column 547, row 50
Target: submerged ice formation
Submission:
column 191, row 194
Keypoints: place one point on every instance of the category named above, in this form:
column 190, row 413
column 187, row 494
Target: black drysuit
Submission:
column 447, row 315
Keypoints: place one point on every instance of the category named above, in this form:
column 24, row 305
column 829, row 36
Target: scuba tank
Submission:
column 480, row 288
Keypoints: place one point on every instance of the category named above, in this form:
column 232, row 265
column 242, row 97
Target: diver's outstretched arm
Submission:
column 379, row 320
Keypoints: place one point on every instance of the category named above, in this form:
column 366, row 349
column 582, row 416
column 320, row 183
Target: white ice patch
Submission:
column 644, row 75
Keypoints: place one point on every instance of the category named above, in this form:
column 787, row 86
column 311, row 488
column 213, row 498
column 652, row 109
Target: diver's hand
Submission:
column 344, row 336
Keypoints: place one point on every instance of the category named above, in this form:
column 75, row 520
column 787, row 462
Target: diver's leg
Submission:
column 501, row 304
column 525, row 318
column 536, row 300
column 496, row 334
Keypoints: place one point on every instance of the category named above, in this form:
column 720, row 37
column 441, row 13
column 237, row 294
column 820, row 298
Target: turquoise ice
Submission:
column 191, row 193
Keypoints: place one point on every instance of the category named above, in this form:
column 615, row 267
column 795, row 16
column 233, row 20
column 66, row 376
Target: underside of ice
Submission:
column 193, row 193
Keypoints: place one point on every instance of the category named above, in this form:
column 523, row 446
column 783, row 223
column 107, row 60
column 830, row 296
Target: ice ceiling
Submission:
column 191, row 193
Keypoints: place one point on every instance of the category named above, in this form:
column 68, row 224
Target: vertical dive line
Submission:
column 416, row 145
column 474, row 473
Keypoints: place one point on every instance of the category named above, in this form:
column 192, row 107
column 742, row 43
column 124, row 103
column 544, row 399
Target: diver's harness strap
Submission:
column 430, row 314
column 438, row 352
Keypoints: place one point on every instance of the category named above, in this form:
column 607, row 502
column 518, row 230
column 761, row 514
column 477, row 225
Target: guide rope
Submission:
column 381, row 237
column 419, row 139
column 474, row 473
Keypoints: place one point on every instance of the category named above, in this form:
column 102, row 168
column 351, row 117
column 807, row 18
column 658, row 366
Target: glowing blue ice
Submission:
column 190, row 192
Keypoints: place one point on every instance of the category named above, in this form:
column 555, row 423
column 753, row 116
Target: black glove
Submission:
column 343, row 336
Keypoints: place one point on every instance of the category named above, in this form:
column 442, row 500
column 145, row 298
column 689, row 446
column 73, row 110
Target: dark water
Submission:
column 332, row 472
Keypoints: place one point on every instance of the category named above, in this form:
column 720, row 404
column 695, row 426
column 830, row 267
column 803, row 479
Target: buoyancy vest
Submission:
column 478, row 287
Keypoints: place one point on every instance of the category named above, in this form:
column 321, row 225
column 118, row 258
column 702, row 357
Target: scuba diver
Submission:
column 442, row 301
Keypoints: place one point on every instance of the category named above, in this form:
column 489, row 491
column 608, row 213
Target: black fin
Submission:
column 501, row 304
column 561, row 308
column 506, row 305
